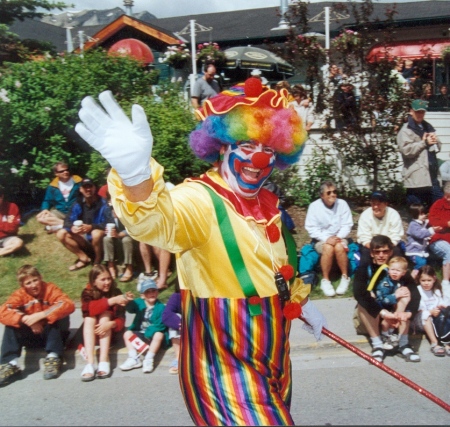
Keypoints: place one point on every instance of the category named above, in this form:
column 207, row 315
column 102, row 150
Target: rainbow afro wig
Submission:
column 255, row 115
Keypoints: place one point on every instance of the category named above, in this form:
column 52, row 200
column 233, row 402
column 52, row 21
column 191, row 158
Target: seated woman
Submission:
column 103, row 308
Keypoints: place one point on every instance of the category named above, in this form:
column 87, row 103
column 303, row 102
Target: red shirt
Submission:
column 439, row 215
column 9, row 228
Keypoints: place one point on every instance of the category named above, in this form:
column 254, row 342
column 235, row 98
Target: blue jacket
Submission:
column 138, row 307
column 96, row 215
column 53, row 197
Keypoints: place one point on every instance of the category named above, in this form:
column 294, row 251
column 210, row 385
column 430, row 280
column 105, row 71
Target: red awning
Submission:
column 134, row 48
column 414, row 49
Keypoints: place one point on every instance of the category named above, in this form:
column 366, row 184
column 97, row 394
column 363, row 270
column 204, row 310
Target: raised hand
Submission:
column 126, row 144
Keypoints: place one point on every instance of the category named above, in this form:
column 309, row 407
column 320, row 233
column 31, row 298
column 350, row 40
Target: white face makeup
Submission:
column 246, row 166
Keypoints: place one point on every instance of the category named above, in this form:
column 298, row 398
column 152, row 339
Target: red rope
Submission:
column 386, row 369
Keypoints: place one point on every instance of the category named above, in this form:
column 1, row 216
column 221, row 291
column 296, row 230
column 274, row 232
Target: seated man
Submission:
column 60, row 195
column 84, row 226
column 379, row 219
column 117, row 244
column 36, row 315
column 329, row 222
column 9, row 226
column 371, row 313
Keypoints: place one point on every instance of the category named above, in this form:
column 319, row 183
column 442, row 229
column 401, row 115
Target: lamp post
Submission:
column 283, row 24
column 193, row 28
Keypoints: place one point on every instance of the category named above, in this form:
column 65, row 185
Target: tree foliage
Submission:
column 368, row 147
column 10, row 10
column 39, row 103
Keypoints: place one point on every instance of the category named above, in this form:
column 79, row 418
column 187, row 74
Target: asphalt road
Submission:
column 331, row 386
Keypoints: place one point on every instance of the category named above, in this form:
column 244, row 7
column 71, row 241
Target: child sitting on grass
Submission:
column 418, row 237
column 147, row 326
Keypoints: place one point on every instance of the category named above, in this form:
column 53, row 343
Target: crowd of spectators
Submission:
column 389, row 298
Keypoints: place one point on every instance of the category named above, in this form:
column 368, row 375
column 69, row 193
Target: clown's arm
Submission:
column 127, row 145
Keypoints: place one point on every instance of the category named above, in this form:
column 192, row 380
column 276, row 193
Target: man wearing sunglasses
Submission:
column 370, row 313
column 60, row 195
column 328, row 223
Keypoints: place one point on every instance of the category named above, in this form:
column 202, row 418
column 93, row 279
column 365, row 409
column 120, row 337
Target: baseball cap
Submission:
column 419, row 104
column 378, row 195
column 87, row 181
column 146, row 285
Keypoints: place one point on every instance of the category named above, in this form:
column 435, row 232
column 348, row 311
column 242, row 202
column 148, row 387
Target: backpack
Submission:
column 441, row 325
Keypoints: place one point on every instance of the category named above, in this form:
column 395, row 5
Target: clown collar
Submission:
column 263, row 208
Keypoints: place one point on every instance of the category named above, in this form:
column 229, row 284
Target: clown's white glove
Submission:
column 316, row 320
column 126, row 145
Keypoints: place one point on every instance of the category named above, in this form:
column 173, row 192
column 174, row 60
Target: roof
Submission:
column 231, row 28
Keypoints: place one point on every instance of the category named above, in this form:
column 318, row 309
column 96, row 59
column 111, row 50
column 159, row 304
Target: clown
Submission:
column 226, row 232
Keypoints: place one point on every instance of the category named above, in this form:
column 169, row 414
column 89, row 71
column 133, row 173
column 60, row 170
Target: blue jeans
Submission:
column 52, row 339
column 442, row 249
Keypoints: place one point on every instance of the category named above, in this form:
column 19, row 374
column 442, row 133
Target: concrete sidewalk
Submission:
column 338, row 312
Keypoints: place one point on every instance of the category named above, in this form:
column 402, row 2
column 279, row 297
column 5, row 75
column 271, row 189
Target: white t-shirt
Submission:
column 66, row 188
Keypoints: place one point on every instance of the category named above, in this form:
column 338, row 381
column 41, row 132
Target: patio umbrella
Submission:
column 249, row 58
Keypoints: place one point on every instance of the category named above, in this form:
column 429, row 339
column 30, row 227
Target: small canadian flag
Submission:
column 82, row 351
column 138, row 344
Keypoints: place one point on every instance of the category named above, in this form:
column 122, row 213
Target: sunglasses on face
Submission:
column 330, row 192
column 62, row 171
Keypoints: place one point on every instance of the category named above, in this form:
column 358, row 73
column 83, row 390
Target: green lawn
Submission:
column 45, row 252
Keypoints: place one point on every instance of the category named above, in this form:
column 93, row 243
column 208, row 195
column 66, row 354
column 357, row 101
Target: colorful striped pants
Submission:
column 235, row 368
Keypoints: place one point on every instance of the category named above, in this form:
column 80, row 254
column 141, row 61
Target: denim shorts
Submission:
column 442, row 249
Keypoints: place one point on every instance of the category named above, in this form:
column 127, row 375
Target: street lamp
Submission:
column 193, row 28
column 283, row 24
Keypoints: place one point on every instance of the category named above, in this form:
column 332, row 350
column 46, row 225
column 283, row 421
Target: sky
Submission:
column 170, row 8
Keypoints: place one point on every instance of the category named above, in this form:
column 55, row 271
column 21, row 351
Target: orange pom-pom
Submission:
column 287, row 271
column 253, row 87
column 292, row 310
column 273, row 233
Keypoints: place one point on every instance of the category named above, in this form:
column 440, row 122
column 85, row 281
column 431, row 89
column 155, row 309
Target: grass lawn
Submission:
column 45, row 252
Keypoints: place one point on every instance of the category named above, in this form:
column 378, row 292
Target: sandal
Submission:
column 378, row 354
column 103, row 370
column 437, row 350
column 79, row 264
column 126, row 278
column 408, row 354
column 88, row 373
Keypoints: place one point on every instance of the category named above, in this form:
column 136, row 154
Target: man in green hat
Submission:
column 418, row 144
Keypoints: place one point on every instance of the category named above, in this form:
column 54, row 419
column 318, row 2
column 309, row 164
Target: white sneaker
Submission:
column 148, row 366
column 343, row 285
column 327, row 288
column 130, row 363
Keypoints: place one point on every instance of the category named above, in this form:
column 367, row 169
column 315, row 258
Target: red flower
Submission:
column 287, row 271
column 273, row 233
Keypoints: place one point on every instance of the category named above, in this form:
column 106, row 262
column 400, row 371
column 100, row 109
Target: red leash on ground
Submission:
column 385, row 368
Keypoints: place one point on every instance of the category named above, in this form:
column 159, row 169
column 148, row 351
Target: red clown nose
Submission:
column 261, row 160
